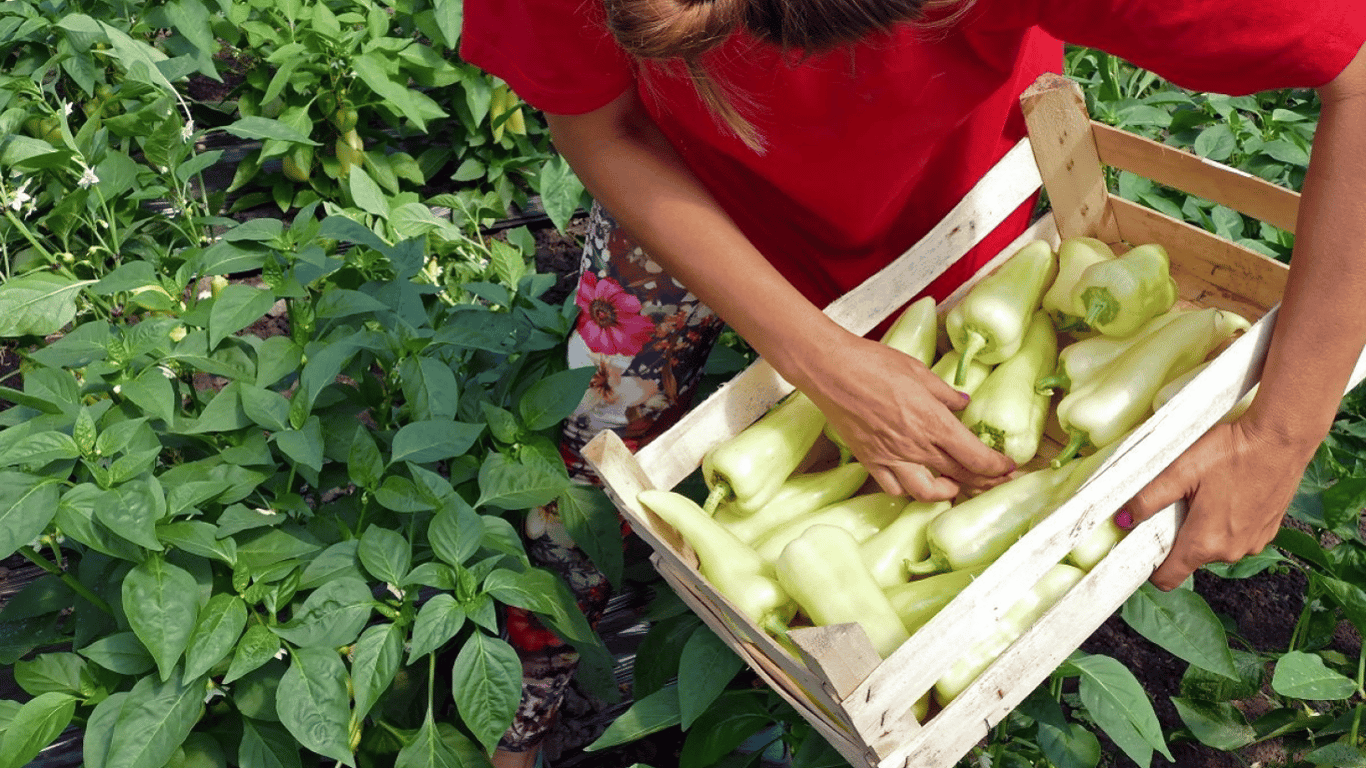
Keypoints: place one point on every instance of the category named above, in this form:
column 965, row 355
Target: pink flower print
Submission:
column 609, row 317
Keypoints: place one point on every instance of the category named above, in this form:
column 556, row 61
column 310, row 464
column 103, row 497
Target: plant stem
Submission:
column 55, row 570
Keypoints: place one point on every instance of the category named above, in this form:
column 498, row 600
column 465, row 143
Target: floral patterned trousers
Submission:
column 649, row 338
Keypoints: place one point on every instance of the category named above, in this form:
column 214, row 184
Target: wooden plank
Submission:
column 1065, row 152
column 1233, row 268
column 676, row 453
column 1198, row 176
column 841, row 653
column 1033, row 657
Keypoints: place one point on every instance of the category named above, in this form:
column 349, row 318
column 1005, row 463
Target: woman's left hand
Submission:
column 1239, row 482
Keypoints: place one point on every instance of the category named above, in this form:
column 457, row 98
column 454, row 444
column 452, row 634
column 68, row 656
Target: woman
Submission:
column 771, row 154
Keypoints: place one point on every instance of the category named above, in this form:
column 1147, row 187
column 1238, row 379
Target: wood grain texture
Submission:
column 1204, row 178
column 1065, row 151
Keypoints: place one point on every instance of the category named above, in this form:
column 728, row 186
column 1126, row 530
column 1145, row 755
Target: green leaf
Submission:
column 154, row 721
column 592, row 521
column 99, row 729
column 385, row 554
column 739, row 716
column 162, row 605
column 134, row 518
column 425, row 441
column 1302, row 675
column 313, row 703
column 645, row 716
column 41, row 448
column 153, row 393
column 430, row 389
column 122, row 653
column 53, row 673
column 266, row 745
column 1118, row 704
column 401, row 495
column 367, row 194
column 364, row 464
column 439, row 620
column 267, row 408
column 337, row 560
column 220, row 625
column 305, row 445
column 266, row 128
column 1183, row 623
column 236, row 307
column 506, row 483
column 257, row 646
column 332, row 615
column 38, row 304
column 554, row 398
column 376, row 659
column 428, row 750
column 37, row 723
column 455, row 532
column 1065, row 744
column 27, row 504
column 1216, row 142
column 486, row 683
column 560, row 191
column 1339, row 754
column 710, row 665
column 1220, row 725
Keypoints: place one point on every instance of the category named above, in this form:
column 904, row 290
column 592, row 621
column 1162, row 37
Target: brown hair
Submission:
column 683, row 31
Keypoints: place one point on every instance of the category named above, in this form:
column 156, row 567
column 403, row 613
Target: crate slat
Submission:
column 1055, row 113
column 1213, row 181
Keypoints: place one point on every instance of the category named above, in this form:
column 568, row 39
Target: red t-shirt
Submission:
column 870, row 145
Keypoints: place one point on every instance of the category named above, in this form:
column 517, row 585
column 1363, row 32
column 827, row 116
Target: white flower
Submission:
column 66, row 108
column 187, row 131
column 17, row 199
column 88, row 177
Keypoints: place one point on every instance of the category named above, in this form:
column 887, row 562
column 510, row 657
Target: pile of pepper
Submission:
column 1089, row 337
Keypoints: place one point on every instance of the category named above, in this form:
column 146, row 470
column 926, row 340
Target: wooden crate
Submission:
column 860, row 703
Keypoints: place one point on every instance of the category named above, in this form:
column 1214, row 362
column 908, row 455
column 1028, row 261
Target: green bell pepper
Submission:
column 1075, row 254
column 822, row 571
column 989, row 323
column 736, row 571
column 916, row 602
column 902, row 541
column 862, row 516
column 1080, row 360
column 801, row 494
column 1119, row 397
column 749, row 468
column 1123, row 293
column 1006, row 412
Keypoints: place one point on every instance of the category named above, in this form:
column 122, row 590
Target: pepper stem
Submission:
column 777, row 629
column 923, row 567
column 719, row 493
column 1076, row 439
column 974, row 344
column 993, row 438
column 1101, row 306
column 1056, row 380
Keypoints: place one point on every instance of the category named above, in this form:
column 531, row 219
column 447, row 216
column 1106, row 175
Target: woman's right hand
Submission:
column 899, row 421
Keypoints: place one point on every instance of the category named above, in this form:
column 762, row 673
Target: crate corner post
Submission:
column 1065, row 152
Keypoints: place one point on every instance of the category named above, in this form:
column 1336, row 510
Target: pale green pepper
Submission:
column 916, row 602
column 1019, row 618
column 736, row 571
column 749, row 468
column 1123, row 293
column 946, row 368
column 822, row 571
column 1006, row 412
column 978, row 530
column 1080, row 360
column 1075, row 254
column 862, row 516
column 801, row 494
column 1119, row 397
column 902, row 541
column 989, row 323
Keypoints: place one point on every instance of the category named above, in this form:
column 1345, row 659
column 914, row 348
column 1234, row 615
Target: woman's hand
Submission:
column 1239, row 482
column 898, row 420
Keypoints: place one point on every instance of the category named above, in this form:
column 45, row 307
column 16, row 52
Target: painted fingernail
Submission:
column 966, row 397
column 1124, row 519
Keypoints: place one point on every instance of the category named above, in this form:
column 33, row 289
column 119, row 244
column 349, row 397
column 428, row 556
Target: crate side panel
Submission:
column 1198, row 176
column 1033, row 657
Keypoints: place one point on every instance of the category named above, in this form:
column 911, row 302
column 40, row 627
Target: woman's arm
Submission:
column 1241, row 477
column 893, row 413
